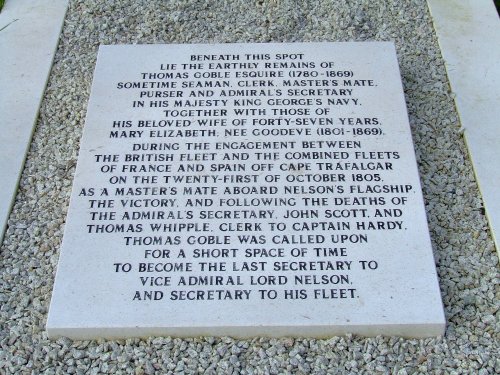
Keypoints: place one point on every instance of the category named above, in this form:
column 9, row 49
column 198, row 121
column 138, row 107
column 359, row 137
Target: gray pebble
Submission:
column 465, row 256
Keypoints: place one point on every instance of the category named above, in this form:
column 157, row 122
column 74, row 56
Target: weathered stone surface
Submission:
column 246, row 190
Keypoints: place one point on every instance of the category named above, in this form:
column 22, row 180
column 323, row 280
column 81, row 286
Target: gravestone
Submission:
column 246, row 190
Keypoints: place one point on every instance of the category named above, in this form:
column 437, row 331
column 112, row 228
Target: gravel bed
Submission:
column 466, row 260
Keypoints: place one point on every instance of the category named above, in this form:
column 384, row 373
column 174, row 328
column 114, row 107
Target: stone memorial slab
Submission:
column 246, row 190
column 30, row 32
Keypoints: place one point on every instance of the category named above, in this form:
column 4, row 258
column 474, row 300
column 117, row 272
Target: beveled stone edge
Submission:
column 475, row 36
column 20, row 126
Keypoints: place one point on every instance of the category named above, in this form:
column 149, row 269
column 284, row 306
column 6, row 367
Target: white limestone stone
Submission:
column 28, row 40
column 100, row 274
column 469, row 35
